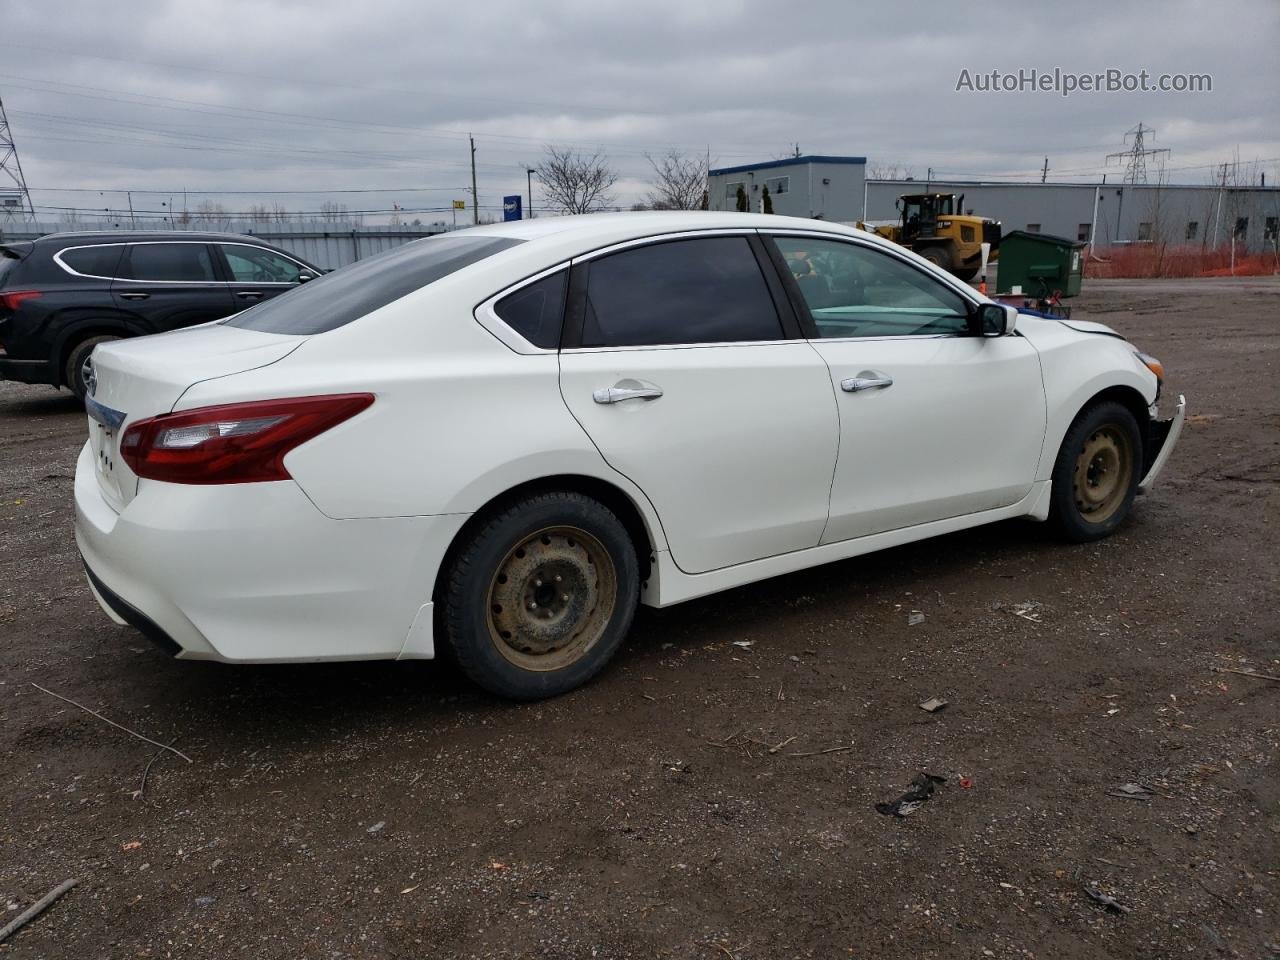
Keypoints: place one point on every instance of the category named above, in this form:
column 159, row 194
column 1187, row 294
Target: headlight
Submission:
column 1151, row 363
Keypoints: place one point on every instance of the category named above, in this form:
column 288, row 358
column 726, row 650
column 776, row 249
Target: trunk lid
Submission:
column 144, row 377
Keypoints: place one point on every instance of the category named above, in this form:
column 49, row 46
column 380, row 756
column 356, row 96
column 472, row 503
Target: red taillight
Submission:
column 232, row 442
column 14, row 298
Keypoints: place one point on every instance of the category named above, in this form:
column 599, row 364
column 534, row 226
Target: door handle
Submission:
column 858, row 384
column 135, row 296
column 618, row 394
column 249, row 294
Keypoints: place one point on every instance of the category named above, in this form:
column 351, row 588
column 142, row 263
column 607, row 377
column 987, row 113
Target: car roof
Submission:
column 598, row 229
column 583, row 232
column 126, row 236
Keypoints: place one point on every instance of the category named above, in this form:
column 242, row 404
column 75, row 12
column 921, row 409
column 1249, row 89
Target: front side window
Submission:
column 337, row 298
column 707, row 290
column 255, row 265
column 168, row 262
column 537, row 310
column 93, row 261
column 855, row 291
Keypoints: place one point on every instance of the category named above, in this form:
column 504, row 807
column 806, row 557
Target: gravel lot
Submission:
column 681, row 806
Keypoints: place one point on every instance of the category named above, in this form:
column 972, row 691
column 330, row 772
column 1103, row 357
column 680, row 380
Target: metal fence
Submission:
column 327, row 244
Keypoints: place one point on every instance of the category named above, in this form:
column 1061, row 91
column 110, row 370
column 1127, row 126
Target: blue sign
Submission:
column 511, row 208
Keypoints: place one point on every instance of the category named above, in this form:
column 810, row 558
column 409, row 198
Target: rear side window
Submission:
column 536, row 311
column 170, row 262
column 337, row 298
column 93, row 261
column 707, row 290
column 7, row 264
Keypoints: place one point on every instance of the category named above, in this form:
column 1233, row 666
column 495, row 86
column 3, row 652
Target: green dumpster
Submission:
column 1040, row 264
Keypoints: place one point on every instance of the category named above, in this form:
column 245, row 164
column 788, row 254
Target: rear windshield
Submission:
column 336, row 299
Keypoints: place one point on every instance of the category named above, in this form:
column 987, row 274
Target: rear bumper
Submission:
column 255, row 573
column 1162, row 436
column 26, row 371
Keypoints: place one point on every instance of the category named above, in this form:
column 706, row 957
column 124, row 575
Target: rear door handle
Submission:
column 135, row 296
column 249, row 294
column 618, row 394
column 858, row 384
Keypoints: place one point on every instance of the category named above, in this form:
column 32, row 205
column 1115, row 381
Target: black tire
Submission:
column 73, row 371
column 967, row 273
column 496, row 640
column 1096, row 474
column 938, row 256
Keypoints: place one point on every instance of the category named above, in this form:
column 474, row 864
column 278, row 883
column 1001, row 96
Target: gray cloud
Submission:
column 308, row 96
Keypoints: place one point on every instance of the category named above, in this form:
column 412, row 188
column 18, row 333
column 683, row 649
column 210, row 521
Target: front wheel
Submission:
column 938, row 256
column 540, row 596
column 1095, row 477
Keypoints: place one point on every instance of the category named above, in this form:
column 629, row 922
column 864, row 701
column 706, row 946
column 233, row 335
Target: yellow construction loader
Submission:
column 935, row 226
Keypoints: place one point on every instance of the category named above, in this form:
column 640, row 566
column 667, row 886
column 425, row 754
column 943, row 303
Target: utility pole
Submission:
column 475, row 197
column 10, row 165
column 797, row 150
column 1136, row 156
column 132, row 221
column 528, row 177
column 1044, row 171
column 928, row 180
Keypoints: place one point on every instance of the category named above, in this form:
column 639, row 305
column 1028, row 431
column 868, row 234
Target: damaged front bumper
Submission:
column 1161, row 438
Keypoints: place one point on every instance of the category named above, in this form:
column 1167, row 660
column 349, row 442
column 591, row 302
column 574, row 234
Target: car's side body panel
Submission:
column 942, row 440
column 736, row 454
column 1077, row 367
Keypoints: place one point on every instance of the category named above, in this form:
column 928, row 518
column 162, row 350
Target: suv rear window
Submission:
column 336, row 299
column 93, row 261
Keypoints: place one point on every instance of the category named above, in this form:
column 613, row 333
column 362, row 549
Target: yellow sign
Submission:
column 459, row 204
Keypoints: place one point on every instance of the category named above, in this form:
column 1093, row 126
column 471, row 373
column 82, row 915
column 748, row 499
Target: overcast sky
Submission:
column 319, row 96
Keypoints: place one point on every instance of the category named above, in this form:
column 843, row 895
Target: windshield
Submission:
column 336, row 299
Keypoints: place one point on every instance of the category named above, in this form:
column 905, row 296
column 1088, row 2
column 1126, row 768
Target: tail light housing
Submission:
column 13, row 298
column 232, row 442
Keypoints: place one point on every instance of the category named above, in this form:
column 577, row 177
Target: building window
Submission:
column 1144, row 231
column 777, row 185
column 1033, row 228
column 1083, row 231
column 1193, row 228
column 731, row 191
column 1271, row 229
column 1242, row 227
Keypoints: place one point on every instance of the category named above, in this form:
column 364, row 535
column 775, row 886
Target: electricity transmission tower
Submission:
column 11, row 169
column 1136, row 168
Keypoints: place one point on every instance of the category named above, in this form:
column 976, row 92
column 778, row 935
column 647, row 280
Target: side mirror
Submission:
column 995, row 320
column 305, row 275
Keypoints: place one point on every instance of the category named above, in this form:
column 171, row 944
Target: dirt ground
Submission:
column 682, row 804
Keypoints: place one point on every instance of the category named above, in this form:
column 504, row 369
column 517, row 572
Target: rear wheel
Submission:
column 541, row 595
column 967, row 273
column 1095, row 477
column 938, row 256
column 75, row 371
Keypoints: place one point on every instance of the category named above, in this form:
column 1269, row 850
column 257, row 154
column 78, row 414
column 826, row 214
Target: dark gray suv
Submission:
column 62, row 295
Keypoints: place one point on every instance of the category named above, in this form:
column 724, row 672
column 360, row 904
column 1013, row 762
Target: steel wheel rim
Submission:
column 1103, row 472
column 551, row 598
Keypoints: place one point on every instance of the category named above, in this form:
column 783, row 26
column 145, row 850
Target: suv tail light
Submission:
column 14, row 298
column 232, row 442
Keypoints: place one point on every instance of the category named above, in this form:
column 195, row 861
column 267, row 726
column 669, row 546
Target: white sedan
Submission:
column 501, row 440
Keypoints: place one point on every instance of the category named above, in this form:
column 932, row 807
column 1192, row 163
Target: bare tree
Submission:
column 279, row 213
column 889, row 170
column 258, row 213
column 213, row 215
column 679, row 181
column 332, row 210
column 575, row 182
